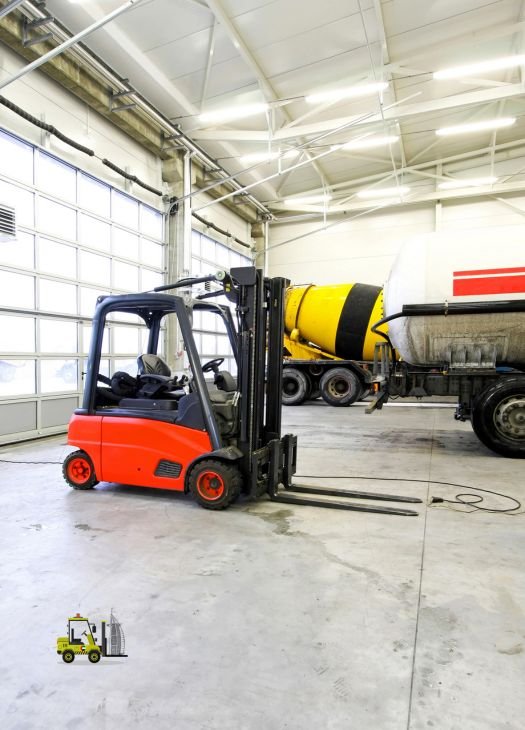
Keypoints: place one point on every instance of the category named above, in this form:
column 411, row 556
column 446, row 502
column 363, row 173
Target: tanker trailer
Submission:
column 329, row 345
column 455, row 306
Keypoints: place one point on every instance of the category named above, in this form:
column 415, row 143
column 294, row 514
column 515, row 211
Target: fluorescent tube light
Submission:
column 367, row 143
column 233, row 112
column 371, row 193
column 254, row 157
column 467, row 183
column 312, row 199
column 483, row 126
column 350, row 92
column 477, row 69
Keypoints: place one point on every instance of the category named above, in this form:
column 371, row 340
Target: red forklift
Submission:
column 214, row 440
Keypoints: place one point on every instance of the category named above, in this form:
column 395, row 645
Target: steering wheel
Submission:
column 212, row 365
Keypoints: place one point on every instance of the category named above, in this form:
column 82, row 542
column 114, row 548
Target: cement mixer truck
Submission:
column 329, row 343
column 455, row 309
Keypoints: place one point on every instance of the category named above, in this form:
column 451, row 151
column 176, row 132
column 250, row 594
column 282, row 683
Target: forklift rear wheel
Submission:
column 214, row 484
column 94, row 656
column 78, row 470
column 68, row 656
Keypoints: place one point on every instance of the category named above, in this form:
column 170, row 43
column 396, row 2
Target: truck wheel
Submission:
column 340, row 387
column 214, row 484
column 78, row 470
column 296, row 387
column 94, row 656
column 498, row 417
column 68, row 656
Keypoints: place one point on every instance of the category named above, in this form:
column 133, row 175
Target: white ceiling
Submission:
column 280, row 50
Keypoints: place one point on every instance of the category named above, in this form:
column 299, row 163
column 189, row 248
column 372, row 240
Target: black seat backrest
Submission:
column 152, row 365
column 225, row 381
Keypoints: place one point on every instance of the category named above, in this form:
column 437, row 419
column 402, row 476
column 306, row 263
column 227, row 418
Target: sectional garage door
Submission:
column 77, row 238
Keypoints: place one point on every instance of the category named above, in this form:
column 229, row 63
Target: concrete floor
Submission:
column 268, row 616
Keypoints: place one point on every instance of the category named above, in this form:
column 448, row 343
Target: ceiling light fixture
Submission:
column 487, row 124
column 366, row 144
column 233, row 112
column 477, row 69
column 350, row 92
column 312, row 199
column 255, row 157
column 371, row 193
column 467, row 183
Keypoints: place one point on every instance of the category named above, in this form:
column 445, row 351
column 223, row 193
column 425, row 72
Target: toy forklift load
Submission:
column 215, row 441
column 112, row 644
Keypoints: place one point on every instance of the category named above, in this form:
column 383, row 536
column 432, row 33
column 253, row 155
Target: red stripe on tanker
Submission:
column 503, row 284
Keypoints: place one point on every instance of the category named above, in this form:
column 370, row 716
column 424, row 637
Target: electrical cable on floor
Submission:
column 460, row 497
column 9, row 461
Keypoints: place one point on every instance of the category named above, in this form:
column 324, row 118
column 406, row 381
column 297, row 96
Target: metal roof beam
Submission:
column 382, row 176
column 69, row 42
column 414, row 199
column 10, row 6
column 401, row 111
column 267, row 89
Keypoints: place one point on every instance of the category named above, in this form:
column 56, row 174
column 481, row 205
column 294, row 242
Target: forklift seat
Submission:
column 152, row 365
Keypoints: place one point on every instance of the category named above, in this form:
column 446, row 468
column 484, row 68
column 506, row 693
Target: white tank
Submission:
column 482, row 265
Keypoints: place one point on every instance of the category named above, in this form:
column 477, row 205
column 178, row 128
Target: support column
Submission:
column 178, row 172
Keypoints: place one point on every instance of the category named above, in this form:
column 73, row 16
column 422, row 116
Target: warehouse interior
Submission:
column 367, row 158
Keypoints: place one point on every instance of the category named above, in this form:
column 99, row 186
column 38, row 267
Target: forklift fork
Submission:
column 291, row 493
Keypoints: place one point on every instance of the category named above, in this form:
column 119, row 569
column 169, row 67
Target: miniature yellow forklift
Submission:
column 111, row 645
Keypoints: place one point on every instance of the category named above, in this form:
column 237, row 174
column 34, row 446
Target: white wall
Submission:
column 48, row 101
column 363, row 249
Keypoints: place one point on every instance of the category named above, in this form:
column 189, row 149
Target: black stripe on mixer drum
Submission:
column 354, row 319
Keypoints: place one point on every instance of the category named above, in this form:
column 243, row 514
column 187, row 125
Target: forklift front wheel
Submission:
column 68, row 656
column 94, row 656
column 215, row 484
column 78, row 470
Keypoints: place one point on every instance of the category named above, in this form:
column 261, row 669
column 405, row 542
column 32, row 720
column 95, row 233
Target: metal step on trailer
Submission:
column 292, row 495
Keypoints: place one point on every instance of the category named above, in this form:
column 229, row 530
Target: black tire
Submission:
column 68, row 656
column 498, row 417
column 296, row 387
column 215, row 484
column 340, row 387
column 94, row 656
column 78, row 470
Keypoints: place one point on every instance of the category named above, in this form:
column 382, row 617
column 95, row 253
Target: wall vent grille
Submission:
column 7, row 223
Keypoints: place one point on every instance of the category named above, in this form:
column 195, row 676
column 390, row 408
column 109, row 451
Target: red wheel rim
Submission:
column 79, row 470
column 210, row 486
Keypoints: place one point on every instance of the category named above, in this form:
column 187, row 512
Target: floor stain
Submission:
column 88, row 528
column 516, row 649
column 280, row 519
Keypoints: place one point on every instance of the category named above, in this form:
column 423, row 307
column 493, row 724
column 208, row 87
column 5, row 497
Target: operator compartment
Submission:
column 203, row 336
